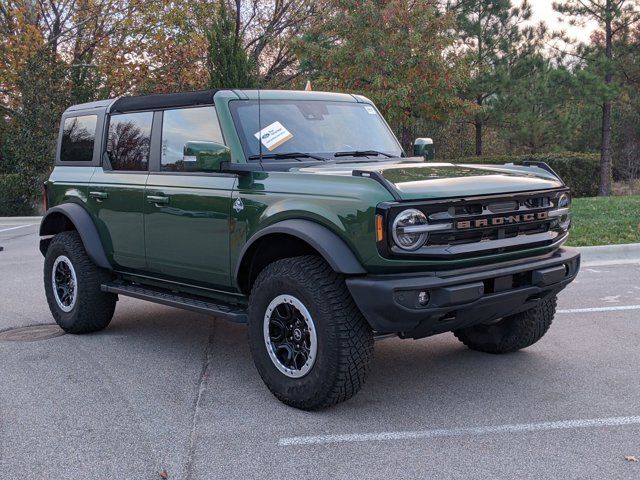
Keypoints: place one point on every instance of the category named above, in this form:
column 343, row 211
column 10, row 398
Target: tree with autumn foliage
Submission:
column 61, row 52
column 474, row 74
column 51, row 56
column 397, row 52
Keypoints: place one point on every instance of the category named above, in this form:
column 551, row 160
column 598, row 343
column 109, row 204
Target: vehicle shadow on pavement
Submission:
column 430, row 374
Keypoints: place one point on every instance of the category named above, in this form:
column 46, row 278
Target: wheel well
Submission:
column 54, row 223
column 266, row 250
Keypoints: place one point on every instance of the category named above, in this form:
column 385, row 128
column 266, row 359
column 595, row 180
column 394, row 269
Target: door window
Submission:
column 129, row 141
column 78, row 137
column 186, row 125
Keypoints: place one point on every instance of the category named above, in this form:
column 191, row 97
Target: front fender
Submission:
column 329, row 245
column 60, row 218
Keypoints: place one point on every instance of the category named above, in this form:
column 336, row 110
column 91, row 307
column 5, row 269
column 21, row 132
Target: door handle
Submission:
column 99, row 196
column 157, row 199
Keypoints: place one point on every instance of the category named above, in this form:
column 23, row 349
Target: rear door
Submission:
column 187, row 213
column 116, row 191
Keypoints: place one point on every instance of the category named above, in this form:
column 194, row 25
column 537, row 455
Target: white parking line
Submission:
column 457, row 432
column 599, row 309
column 14, row 228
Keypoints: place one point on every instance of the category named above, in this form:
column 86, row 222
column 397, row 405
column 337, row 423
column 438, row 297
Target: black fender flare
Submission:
column 329, row 245
column 81, row 220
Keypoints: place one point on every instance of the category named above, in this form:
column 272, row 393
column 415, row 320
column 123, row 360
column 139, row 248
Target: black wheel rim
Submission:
column 64, row 283
column 290, row 336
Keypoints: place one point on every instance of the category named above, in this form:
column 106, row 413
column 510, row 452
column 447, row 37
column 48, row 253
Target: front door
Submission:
column 186, row 211
column 116, row 191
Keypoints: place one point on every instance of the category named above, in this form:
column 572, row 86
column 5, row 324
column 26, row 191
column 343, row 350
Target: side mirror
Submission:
column 424, row 147
column 205, row 156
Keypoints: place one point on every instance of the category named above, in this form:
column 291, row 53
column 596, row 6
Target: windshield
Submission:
column 312, row 127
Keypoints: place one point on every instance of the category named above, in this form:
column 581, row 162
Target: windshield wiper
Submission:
column 361, row 153
column 286, row 155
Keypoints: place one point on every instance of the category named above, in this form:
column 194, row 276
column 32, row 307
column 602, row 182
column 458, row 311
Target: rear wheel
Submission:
column 72, row 284
column 310, row 343
column 510, row 333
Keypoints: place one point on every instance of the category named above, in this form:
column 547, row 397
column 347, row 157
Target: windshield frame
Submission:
column 243, row 141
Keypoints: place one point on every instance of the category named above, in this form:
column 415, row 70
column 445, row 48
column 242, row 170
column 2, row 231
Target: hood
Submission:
column 420, row 180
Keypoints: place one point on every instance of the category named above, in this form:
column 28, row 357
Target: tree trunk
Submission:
column 406, row 139
column 605, row 151
column 605, row 146
column 478, row 125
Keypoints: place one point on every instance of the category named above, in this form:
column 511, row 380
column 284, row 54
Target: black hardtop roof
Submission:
column 147, row 102
column 163, row 100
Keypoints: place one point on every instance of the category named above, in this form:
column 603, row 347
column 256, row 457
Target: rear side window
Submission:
column 184, row 125
column 78, row 138
column 129, row 141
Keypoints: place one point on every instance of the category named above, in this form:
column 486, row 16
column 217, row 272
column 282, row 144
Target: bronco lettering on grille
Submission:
column 506, row 220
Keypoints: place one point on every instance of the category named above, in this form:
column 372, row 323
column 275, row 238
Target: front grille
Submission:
column 489, row 224
column 483, row 234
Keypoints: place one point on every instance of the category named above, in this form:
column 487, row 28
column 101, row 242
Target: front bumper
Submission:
column 461, row 298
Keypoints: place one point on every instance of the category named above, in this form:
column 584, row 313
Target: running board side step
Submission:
column 186, row 302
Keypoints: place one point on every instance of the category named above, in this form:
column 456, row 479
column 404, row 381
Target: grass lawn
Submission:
column 605, row 220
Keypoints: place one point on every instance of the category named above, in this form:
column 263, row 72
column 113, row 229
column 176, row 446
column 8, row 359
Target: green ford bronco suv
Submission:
column 299, row 214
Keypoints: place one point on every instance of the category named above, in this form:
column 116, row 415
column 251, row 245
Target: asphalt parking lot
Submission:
column 162, row 390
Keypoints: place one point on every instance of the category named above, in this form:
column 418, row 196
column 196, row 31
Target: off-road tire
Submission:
column 511, row 333
column 93, row 308
column 344, row 338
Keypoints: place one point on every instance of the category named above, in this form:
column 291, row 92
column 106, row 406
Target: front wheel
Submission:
column 511, row 333
column 310, row 343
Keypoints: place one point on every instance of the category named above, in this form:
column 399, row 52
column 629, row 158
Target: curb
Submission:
column 608, row 254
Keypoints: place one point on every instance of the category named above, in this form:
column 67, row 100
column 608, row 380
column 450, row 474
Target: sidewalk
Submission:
column 610, row 254
column 15, row 220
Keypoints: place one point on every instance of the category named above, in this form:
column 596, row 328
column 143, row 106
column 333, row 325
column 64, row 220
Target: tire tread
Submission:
column 94, row 308
column 354, row 336
column 515, row 332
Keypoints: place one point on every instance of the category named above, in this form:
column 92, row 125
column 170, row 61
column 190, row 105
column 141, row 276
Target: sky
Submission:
column 543, row 11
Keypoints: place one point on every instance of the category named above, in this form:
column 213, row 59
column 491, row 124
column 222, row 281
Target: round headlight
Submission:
column 564, row 221
column 402, row 234
column 564, row 201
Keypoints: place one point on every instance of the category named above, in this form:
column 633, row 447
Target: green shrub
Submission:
column 17, row 194
column 580, row 171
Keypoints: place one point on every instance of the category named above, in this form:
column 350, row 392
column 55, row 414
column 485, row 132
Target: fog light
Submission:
column 423, row 298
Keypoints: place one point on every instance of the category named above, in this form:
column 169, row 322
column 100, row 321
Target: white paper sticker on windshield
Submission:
column 370, row 110
column 273, row 136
